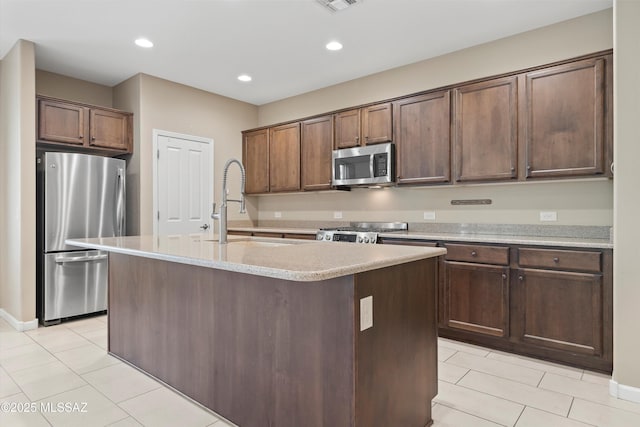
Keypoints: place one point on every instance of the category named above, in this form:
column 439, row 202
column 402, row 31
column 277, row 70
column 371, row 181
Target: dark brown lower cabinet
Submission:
column 476, row 298
column 560, row 310
column 554, row 303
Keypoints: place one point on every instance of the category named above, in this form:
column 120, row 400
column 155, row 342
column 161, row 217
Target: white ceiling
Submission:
column 208, row 43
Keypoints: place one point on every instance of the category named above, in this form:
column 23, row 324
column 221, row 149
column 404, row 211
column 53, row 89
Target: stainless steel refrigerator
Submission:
column 78, row 196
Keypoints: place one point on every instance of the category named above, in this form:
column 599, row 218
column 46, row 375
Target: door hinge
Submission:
column 158, row 154
column 158, row 215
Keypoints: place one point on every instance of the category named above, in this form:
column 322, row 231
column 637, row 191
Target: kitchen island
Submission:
column 276, row 332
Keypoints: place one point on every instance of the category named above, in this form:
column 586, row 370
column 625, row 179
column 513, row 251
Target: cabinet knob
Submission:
column 521, row 277
column 93, row 138
column 556, row 260
column 513, row 169
column 357, row 138
column 504, row 276
column 80, row 136
column 474, row 253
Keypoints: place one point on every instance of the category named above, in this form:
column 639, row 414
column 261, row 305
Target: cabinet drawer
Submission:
column 561, row 259
column 478, row 253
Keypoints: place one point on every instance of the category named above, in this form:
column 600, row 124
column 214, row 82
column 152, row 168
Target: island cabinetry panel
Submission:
column 270, row 352
column 423, row 138
column 255, row 157
column 485, row 139
column 84, row 127
column 476, row 289
column 564, row 125
column 316, row 145
column 362, row 126
column 284, row 158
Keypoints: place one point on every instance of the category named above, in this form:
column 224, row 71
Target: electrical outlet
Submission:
column 366, row 313
column 549, row 216
column 337, row 215
column 277, row 214
column 429, row 215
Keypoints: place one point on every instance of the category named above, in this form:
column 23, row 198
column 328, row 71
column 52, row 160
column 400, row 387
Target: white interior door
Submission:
column 184, row 183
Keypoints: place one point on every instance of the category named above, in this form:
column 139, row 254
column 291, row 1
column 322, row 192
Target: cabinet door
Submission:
column 109, row 129
column 476, row 298
column 559, row 310
column 347, row 129
column 61, row 122
column 564, row 127
column 316, row 144
column 422, row 138
column 284, row 158
column 255, row 157
column 377, row 123
column 485, row 139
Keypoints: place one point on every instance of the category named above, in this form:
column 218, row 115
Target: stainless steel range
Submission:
column 360, row 232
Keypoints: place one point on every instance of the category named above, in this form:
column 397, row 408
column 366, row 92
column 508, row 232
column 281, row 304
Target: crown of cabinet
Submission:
column 83, row 127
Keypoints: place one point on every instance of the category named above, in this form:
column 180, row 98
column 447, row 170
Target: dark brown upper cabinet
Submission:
column 284, row 158
column 255, row 157
column 89, row 128
column 423, row 138
column 564, row 120
column 485, row 140
column 316, row 144
column 362, row 126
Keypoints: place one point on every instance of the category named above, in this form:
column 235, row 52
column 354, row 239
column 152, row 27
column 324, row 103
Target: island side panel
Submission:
column 396, row 359
column 259, row 351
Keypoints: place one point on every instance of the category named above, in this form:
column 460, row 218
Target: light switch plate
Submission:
column 429, row 215
column 277, row 214
column 548, row 216
column 366, row 313
column 337, row 215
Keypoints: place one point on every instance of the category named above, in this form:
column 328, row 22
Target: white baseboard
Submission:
column 624, row 392
column 17, row 324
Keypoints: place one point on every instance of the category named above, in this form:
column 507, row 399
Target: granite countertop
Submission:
column 513, row 239
column 289, row 259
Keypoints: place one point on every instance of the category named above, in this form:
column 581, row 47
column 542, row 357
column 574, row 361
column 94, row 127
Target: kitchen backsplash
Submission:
column 573, row 203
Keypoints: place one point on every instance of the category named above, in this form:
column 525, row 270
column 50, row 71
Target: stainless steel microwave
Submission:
column 368, row 165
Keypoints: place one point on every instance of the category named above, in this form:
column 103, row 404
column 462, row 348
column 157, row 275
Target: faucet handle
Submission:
column 213, row 212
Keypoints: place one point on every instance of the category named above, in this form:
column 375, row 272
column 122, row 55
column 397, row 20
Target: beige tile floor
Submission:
column 478, row 387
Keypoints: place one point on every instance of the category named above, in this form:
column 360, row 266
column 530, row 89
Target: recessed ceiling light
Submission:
column 142, row 42
column 244, row 78
column 334, row 45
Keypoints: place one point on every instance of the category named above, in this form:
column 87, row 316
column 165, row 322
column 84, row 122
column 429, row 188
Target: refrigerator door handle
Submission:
column 120, row 213
column 63, row 259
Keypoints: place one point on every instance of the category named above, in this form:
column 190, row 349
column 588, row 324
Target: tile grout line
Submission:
column 469, row 413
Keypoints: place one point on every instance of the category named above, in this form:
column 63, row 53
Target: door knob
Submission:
column 205, row 226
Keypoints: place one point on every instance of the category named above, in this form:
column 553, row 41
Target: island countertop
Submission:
column 287, row 259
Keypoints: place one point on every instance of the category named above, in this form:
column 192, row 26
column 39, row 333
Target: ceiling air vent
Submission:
column 336, row 5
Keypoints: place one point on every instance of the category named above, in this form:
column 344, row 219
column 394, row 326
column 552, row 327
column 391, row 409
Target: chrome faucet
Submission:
column 222, row 215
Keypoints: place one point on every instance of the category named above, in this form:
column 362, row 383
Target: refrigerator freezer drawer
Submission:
column 74, row 283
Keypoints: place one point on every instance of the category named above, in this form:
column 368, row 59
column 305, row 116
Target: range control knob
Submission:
column 327, row 237
column 359, row 239
column 366, row 240
column 319, row 237
column 373, row 241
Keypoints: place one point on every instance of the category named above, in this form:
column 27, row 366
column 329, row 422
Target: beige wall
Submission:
column 126, row 96
column 626, row 351
column 59, row 86
column 177, row 108
column 577, row 203
column 17, row 183
column 583, row 35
